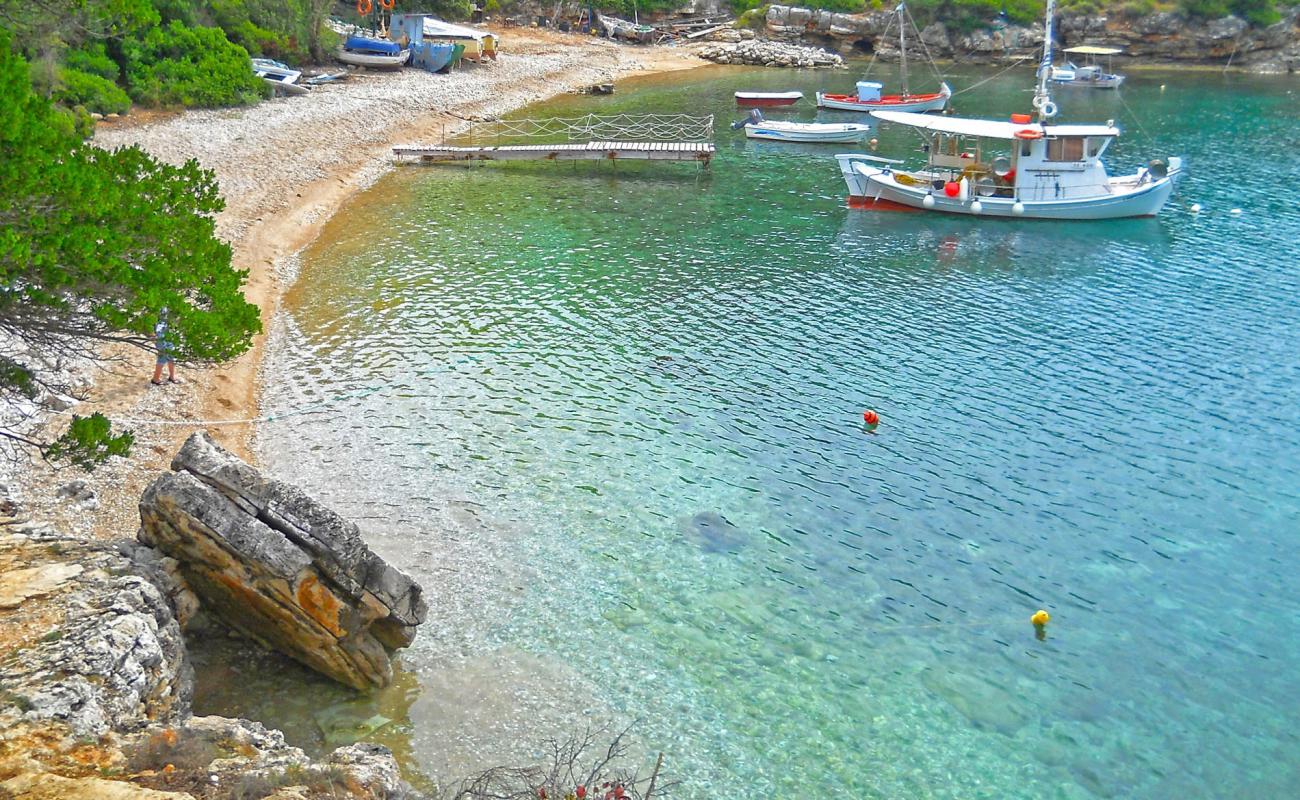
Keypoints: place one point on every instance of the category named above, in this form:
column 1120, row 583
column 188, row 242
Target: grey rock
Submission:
column 271, row 562
column 1225, row 28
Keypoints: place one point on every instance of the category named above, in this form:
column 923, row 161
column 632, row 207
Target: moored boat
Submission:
column 1023, row 167
column 870, row 96
column 1090, row 75
column 768, row 98
column 756, row 127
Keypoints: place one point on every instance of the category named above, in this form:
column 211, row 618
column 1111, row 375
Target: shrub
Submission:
column 94, row 92
column 93, row 58
column 178, row 65
column 1257, row 12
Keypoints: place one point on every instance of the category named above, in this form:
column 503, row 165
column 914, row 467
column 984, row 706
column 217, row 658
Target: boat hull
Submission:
column 808, row 133
column 916, row 103
column 1101, row 82
column 373, row 60
column 876, row 187
column 760, row 100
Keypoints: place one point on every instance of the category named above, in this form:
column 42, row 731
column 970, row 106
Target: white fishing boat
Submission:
column 756, row 127
column 869, row 95
column 373, row 60
column 1090, row 75
column 1022, row 167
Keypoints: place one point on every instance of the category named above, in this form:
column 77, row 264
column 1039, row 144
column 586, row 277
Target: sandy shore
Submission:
column 284, row 168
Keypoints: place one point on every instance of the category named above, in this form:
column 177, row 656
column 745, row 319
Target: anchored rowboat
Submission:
column 768, row 98
column 869, row 98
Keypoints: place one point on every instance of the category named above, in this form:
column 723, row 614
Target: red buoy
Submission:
column 951, row 188
column 870, row 417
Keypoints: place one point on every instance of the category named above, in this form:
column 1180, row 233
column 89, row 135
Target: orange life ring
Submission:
column 1028, row 134
column 387, row 5
column 364, row 7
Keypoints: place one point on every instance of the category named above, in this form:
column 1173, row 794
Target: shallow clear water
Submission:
column 612, row 419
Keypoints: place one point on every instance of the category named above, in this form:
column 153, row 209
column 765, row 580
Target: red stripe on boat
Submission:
column 877, row 204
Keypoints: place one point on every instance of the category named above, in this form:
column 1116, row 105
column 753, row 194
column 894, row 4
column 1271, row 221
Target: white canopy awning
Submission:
column 445, row 30
column 1093, row 50
column 988, row 128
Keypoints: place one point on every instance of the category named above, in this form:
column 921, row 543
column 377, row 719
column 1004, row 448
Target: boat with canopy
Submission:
column 1023, row 167
column 869, row 95
column 1090, row 75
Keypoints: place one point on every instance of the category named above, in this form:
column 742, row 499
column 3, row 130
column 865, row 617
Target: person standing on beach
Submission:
column 164, row 347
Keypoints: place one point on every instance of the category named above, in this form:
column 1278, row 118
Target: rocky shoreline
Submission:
column 95, row 698
column 1164, row 37
column 95, row 683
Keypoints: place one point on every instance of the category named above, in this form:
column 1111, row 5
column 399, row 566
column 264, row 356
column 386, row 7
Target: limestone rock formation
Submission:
column 1167, row 36
column 761, row 53
column 276, row 565
column 113, row 659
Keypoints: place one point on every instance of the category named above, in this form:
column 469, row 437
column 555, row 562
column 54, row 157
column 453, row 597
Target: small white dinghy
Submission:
column 768, row 98
column 756, row 127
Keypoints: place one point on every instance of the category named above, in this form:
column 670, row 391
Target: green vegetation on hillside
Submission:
column 95, row 246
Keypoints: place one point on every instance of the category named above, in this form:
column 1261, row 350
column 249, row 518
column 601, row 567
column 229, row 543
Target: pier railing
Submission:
column 593, row 128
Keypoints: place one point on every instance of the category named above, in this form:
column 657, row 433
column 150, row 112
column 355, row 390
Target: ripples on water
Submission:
column 612, row 421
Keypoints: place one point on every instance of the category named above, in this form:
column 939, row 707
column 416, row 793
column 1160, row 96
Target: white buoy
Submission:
column 928, row 202
column 976, row 207
column 1196, row 208
column 1235, row 211
column 1018, row 208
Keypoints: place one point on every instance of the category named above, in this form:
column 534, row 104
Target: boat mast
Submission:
column 902, row 47
column 1042, row 98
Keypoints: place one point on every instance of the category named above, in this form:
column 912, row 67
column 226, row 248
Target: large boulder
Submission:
column 276, row 565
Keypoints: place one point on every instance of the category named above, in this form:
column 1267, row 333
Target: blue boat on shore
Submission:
column 364, row 51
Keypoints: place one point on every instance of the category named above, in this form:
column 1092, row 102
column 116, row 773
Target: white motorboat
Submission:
column 756, row 127
column 1090, row 75
column 1023, row 167
column 869, row 95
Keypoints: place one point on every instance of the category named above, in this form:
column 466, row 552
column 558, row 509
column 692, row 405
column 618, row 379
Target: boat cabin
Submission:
column 1020, row 159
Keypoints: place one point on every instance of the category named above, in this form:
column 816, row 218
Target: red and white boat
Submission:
column 870, row 97
column 753, row 99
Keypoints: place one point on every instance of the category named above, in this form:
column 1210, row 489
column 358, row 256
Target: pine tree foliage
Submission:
column 95, row 245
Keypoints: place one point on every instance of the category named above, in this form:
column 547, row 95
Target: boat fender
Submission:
column 928, row 201
column 1048, row 110
column 963, row 189
column 951, row 188
column 1018, row 208
column 364, row 7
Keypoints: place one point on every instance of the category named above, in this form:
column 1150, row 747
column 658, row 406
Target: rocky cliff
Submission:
column 1162, row 37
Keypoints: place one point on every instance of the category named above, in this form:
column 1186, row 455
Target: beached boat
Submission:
column 479, row 45
column 1022, row 167
column 870, row 96
column 282, row 78
column 768, row 98
column 756, row 127
column 365, row 51
column 373, row 60
column 1090, row 75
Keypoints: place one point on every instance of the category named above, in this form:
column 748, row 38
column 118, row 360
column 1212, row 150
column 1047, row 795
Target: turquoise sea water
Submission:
column 612, row 419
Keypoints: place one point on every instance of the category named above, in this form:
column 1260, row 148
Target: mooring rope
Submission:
column 995, row 76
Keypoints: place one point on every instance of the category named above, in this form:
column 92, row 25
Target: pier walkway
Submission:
column 644, row 137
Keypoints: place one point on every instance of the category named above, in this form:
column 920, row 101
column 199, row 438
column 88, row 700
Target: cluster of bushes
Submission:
column 102, row 55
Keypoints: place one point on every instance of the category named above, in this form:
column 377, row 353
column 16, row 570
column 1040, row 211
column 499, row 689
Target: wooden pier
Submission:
column 620, row 137
column 589, row 151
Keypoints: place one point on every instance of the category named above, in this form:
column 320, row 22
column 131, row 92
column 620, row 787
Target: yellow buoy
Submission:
column 1040, row 618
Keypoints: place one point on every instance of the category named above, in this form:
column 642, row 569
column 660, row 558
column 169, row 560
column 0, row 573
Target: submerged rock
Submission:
column 985, row 704
column 713, row 532
column 272, row 563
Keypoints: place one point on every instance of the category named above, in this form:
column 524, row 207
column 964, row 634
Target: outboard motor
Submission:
column 755, row 118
